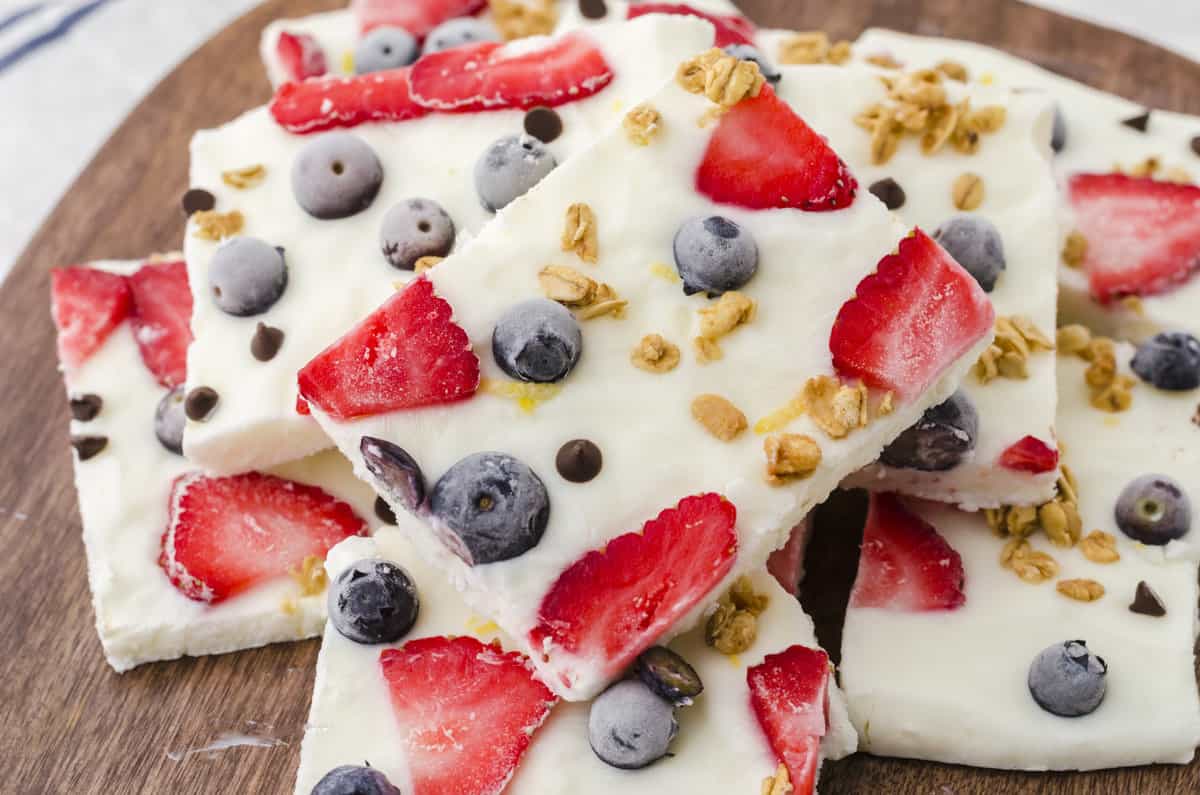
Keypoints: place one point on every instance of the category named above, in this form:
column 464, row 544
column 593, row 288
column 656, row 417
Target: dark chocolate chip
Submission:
column 1196, row 145
column 543, row 124
column 85, row 407
column 200, row 403
column 1139, row 122
column 579, row 461
column 1147, row 602
column 266, row 342
column 384, row 511
column 593, row 9
column 198, row 200
column 88, row 446
column 888, row 191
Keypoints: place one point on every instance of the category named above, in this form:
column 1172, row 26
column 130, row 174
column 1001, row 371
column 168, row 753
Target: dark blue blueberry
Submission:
column 1154, row 509
column 169, row 419
column 630, row 727
column 336, row 175
column 247, row 276
column 385, row 48
column 490, row 507
column 457, row 32
column 396, row 472
column 509, row 168
column 373, row 601
column 537, row 340
column 714, row 255
column 1169, row 361
column 668, row 675
column 415, row 228
column 748, row 52
column 940, row 440
column 1067, row 680
column 976, row 243
column 1058, row 134
column 355, row 780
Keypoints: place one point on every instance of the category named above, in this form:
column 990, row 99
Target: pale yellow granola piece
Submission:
column 731, row 310
column 1073, row 339
column 567, row 286
column 953, row 70
column 654, row 354
column 246, row 177
column 517, row 19
column 967, row 192
column 707, row 350
column 1030, row 565
column 1074, row 249
column 580, row 234
column 780, row 417
column 212, row 225
column 836, row 408
column 425, row 263
column 311, row 576
column 884, row 61
column 642, row 124
column 719, row 417
column 791, row 455
column 1099, row 547
column 777, row 784
column 722, row 78
column 1081, row 590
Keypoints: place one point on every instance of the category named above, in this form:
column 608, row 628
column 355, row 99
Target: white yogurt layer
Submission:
column 123, row 502
column 720, row 747
column 951, row 686
column 1097, row 142
column 1021, row 200
column 336, row 271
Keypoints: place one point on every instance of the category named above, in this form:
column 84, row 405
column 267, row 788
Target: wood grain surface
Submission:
column 70, row 725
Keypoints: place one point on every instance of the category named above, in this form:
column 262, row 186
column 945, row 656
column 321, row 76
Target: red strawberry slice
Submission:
column 407, row 354
column 615, row 602
column 762, row 156
column 302, row 406
column 487, row 76
column 789, row 692
column 1030, row 454
column 418, row 17
column 333, row 102
column 467, row 712
column 226, row 535
column 1143, row 235
column 786, row 564
column 87, row 305
column 731, row 28
column 162, row 316
column 300, row 55
column 910, row 320
column 905, row 565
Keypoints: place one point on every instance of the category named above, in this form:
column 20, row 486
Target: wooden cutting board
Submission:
column 70, row 725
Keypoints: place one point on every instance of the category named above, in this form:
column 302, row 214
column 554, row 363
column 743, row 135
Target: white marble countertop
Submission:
column 66, row 96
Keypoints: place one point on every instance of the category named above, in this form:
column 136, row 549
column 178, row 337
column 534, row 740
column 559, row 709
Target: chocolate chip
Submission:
column 543, row 124
column 384, row 511
column 200, row 403
column 198, row 200
column 1146, row 602
column 1196, row 145
column 266, row 342
column 85, row 407
column 593, row 9
column 1139, row 122
column 88, row 446
column 579, row 461
column 888, row 191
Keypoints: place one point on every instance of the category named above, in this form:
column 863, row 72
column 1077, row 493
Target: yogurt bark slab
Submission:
column 950, row 682
column 122, row 334
column 720, row 745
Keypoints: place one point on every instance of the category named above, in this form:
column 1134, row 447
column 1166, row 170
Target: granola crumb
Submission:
column 567, row 286
column 1073, row 339
column 731, row 310
column 1031, row 565
column 967, row 191
column 665, row 272
column 213, row 225
column 311, row 576
column 812, row 47
column 1081, row 590
column 780, row 417
column 791, row 455
column 246, row 177
column 580, row 234
column 654, row 354
column 719, row 417
column 1074, row 249
column 1017, row 338
column 720, row 77
column 777, row 784
column 642, row 124
column 733, row 628
column 1099, row 547
column 425, row 263
column 707, row 350
column 836, row 408
column 954, row 70
column 517, row 19
column 884, row 61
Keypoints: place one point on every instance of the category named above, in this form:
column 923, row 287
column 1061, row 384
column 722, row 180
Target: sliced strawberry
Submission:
column 87, row 305
column 1030, row 454
column 162, row 316
column 418, row 17
column 910, row 320
column 488, row 76
column 407, row 354
column 301, row 55
column 905, row 565
column 789, row 692
column 331, row 102
column 466, row 711
column 1143, row 234
column 227, row 535
column 731, row 28
column 302, row 406
column 786, row 564
column 615, row 602
column 762, row 156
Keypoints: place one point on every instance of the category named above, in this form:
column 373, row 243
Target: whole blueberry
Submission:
column 1154, row 509
column 373, row 601
column 748, row 52
column 247, row 276
column 491, row 507
column 355, row 780
column 668, row 675
column 395, row 471
column 336, row 175
column 537, row 340
column 169, row 419
column 1058, row 133
column 385, row 48
column 1067, row 680
column 714, row 255
column 629, row 726
column 939, row 441
column 1169, row 361
column 457, row 32
column 976, row 244
column 415, row 228
column 509, row 168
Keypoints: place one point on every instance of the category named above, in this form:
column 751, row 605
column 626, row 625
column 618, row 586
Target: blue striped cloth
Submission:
column 31, row 26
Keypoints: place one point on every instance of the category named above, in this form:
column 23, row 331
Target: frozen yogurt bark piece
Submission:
column 406, row 177
column 975, row 451
column 821, row 328
column 944, row 673
column 1132, row 226
column 357, row 716
column 179, row 563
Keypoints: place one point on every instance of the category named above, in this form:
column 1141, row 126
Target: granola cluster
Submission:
column 1059, row 518
column 1017, row 338
column 813, row 46
column 516, row 19
column 244, row 178
column 1153, row 167
column 778, row 783
column 655, row 354
column 836, row 408
column 722, row 78
column 733, row 628
column 1110, row 390
column 719, row 417
column 215, row 226
column 791, row 456
column 718, row 319
column 577, row 291
column 1074, row 249
column 642, row 124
